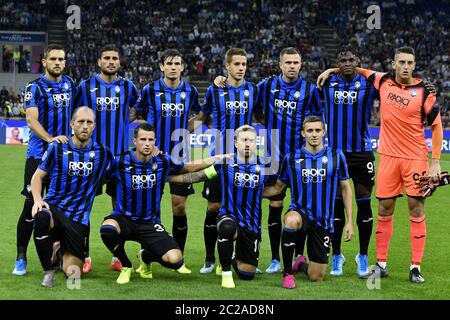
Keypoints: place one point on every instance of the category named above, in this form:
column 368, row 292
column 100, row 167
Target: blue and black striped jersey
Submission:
column 313, row 179
column 111, row 103
column 285, row 106
column 54, row 101
column 168, row 110
column 230, row 107
column 348, row 107
column 140, row 185
column 75, row 175
column 243, row 186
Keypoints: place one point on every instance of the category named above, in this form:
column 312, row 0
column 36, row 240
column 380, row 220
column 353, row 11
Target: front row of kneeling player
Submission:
column 76, row 168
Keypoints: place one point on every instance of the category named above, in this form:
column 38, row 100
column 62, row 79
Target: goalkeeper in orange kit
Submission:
column 406, row 107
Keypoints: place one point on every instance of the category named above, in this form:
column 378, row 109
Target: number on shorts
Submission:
column 370, row 167
column 326, row 242
column 158, row 227
column 257, row 245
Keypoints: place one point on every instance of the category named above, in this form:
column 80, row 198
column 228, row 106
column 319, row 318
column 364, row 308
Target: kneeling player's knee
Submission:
column 226, row 228
column 109, row 235
column 316, row 275
column 292, row 220
column 245, row 275
column 214, row 206
column 172, row 256
column 42, row 221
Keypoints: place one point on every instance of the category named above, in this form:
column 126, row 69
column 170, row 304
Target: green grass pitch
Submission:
column 168, row 285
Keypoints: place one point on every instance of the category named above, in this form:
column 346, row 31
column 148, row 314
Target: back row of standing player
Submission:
column 280, row 102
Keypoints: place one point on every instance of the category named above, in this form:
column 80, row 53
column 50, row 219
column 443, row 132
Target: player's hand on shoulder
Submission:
column 220, row 81
column 430, row 87
column 38, row 206
column 323, row 77
column 156, row 152
column 60, row 139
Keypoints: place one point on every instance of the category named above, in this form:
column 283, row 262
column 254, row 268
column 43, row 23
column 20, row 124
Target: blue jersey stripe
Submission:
column 348, row 107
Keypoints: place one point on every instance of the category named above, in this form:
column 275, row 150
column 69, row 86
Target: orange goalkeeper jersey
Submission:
column 405, row 110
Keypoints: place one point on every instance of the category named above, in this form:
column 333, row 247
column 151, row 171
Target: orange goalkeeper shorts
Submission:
column 395, row 175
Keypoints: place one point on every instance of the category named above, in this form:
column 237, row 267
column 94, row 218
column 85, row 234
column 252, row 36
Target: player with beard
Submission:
column 48, row 102
column 111, row 97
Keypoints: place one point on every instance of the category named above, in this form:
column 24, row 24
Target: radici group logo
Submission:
column 246, row 180
column 314, row 175
column 143, row 181
column 107, row 103
column 172, row 109
column 236, row 107
column 61, row 100
column 81, row 169
column 285, row 106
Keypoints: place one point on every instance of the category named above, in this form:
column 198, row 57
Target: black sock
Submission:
column 225, row 248
column 112, row 241
column 43, row 240
column 180, row 230
column 210, row 235
column 365, row 223
column 24, row 229
column 287, row 249
column 274, row 226
column 300, row 242
column 339, row 224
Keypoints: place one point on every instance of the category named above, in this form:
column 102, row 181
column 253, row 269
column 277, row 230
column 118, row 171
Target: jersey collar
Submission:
column 53, row 83
column 290, row 85
column 316, row 155
column 241, row 87
column 167, row 88
column 119, row 78
column 88, row 147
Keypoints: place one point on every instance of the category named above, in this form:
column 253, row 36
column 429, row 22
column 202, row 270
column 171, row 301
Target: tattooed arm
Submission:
column 191, row 177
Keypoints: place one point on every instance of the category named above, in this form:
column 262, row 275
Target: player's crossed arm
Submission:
column 191, row 177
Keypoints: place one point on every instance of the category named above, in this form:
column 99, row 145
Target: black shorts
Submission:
column 361, row 167
column 31, row 165
column 181, row 189
column 212, row 190
column 72, row 235
column 151, row 236
column 318, row 241
column 277, row 197
column 247, row 246
column 110, row 188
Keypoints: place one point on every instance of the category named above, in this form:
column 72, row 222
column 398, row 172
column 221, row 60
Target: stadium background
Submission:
column 203, row 30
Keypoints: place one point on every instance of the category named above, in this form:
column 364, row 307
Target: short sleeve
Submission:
column 283, row 174
column 48, row 158
column 79, row 97
column 343, row 170
column 134, row 95
column 173, row 168
column 207, row 107
column 32, row 96
column 316, row 107
column 372, row 76
column 195, row 104
column 142, row 102
column 112, row 171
